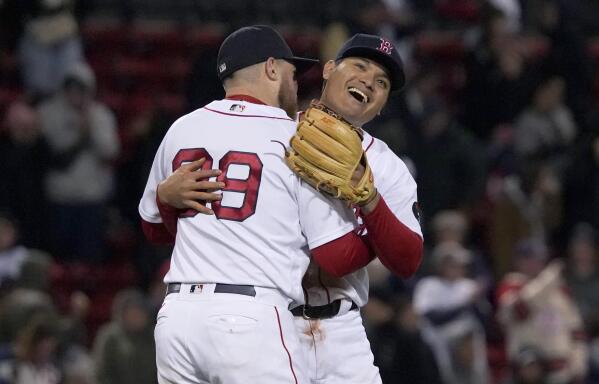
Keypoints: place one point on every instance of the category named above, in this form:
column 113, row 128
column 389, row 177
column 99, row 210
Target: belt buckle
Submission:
column 304, row 314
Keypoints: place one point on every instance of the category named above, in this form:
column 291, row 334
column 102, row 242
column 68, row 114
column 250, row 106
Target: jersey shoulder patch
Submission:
column 416, row 210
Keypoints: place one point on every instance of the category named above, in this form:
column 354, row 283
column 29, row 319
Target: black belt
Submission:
column 321, row 311
column 246, row 290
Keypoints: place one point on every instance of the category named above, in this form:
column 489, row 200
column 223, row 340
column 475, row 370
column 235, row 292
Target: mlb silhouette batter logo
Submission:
column 385, row 46
column 237, row 108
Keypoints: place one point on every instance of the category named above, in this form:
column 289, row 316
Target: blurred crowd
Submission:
column 499, row 124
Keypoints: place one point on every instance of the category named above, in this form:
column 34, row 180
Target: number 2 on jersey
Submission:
column 249, row 186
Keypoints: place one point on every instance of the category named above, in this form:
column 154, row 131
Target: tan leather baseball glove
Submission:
column 325, row 151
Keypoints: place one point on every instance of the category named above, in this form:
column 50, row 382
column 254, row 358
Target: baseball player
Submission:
column 234, row 273
column 357, row 85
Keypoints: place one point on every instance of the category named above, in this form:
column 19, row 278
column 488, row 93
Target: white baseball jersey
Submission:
column 267, row 219
column 397, row 186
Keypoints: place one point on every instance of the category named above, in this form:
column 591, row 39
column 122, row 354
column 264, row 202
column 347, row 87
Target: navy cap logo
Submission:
column 386, row 46
column 222, row 67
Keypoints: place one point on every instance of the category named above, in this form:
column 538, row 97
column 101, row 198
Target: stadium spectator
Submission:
column 23, row 163
column 546, row 127
column 12, row 255
column 529, row 204
column 20, row 267
column 83, row 141
column 31, row 358
column 582, row 271
column 537, row 312
column 449, row 163
column 124, row 350
column 452, row 226
column 399, row 349
column 49, row 46
column 450, row 304
column 581, row 184
column 559, row 22
column 498, row 80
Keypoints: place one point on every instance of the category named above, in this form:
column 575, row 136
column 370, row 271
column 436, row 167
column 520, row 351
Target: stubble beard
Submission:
column 287, row 99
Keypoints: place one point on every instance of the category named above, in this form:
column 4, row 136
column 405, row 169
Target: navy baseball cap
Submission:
column 379, row 50
column 252, row 45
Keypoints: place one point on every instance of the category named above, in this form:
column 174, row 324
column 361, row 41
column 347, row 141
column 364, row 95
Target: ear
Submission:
column 329, row 67
column 271, row 69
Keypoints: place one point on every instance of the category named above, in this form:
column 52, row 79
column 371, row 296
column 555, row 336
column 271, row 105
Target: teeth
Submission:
column 360, row 93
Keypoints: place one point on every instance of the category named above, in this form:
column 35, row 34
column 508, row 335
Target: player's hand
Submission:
column 188, row 187
column 357, row 176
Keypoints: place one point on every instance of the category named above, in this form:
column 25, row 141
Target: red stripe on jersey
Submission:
column 284, row 346
column 369, row 145
column 231, row 114
column 249, row 99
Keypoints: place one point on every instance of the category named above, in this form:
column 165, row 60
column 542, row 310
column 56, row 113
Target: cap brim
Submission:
column 394, row 69
column 302, row 64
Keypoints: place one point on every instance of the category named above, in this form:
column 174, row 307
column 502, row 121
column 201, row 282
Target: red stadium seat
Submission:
column 441, row 45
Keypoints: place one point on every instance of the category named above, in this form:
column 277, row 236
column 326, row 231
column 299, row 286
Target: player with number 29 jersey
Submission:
column 267, row 219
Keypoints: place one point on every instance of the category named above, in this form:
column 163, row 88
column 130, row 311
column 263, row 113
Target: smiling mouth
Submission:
column 358, row 95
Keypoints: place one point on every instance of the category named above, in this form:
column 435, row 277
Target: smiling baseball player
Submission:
column 358, row 83
column 234, row 273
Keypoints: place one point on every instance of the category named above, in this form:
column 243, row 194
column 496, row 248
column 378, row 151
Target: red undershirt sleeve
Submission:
column 165, row 232
column 397, row 246
column 343, row 255
column 157, row 233
column 169, row 215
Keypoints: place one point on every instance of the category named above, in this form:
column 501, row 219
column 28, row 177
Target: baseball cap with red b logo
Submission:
column 378, row 49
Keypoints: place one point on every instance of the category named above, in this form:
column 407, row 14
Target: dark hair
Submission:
column 40, row 327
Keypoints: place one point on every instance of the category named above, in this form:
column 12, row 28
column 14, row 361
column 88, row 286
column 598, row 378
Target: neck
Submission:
column 324, row 101
column 266, row 97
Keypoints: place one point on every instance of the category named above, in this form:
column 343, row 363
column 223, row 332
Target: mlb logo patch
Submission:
column 222, row 67
column 237, row 108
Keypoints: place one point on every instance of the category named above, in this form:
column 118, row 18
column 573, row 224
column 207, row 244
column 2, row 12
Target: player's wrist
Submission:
column 369, row 205
column 161, row 196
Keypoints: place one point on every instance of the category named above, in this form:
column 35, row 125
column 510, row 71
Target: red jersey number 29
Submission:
column 248, row 187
